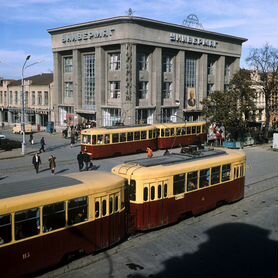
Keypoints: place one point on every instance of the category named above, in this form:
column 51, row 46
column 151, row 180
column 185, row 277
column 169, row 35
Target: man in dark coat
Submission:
column 42, row 145
column 87, row 160
column 80, row 159
column 36, row 162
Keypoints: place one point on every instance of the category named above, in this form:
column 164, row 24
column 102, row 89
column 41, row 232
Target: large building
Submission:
column 135, row 70
column 37, row 100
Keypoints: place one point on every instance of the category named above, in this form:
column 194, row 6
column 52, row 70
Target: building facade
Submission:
column 134, row 70
column 37, row 100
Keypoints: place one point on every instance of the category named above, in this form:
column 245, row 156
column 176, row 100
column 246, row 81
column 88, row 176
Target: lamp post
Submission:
column 23, row 105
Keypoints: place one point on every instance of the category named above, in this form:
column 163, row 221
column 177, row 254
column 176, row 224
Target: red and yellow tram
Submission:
column 115, row 141
column 164, row 189
column 73, row 215
column 171, row 135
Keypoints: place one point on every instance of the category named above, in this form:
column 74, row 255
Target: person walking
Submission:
column 80, row 160
column 42, row 145
column 31, row 139
column 149, row 152
column 72, row 140
column 36, row 162
column 52, row 164
column 87, row 160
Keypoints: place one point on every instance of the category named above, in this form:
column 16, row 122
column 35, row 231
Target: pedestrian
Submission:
column 80, row 160
column 31, row 139
column 87, row 160
column 149, row 152
column 52, row 164
column 166, row 152
column 42, row 145
column 72, row 140
column 36, row 162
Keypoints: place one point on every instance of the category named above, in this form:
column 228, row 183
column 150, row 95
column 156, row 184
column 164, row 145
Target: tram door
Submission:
column 154, row 213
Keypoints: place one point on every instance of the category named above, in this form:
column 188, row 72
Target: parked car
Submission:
column 18, row 129
column 2, row 136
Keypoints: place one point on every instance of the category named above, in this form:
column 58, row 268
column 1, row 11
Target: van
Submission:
column 18, row 129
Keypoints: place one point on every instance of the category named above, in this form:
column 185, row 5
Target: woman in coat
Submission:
column 52, row 164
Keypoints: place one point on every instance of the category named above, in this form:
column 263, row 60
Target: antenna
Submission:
column 193, row 21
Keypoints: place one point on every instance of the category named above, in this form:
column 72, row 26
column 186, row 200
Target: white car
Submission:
column 2, row 136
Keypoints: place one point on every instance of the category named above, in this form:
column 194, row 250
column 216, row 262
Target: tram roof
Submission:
column 49, row 189
column 180, row 124
column 161, row 166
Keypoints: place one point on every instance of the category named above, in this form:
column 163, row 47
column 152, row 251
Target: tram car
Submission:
column 162, row 190
column 116, row 141
column 171, row 135
column 123, row 140
column 51, row 220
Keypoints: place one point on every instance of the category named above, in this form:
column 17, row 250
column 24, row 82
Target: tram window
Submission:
column 100, row 139
column 183, row 131
column 204, row 178
column 77, row 210
column 241, row 171
column 54, row 216
column 130, row 136
column 179, row 183
column 115, row 138
column 122, row 137
column 193, row 129
column 178, row 131
column 116, row 203
column 94, row 140
column 97, row 209
column 188, row 130
column 159, row 191
column 5, row 228
column 150, row 134
column 162, row 132
column 111, row 199
column 215, row 175
column 172, row 131
column 157, row 133
column 106, row 139
column 192, row 179
column 86, row 139
column 152, row 192
column 198, row 129
column 167, row 132
column 146, row 194
column 165, row 190
column 137, row 135
column 132, row 190
column 226, row 172
column 143, row 135
column 103, row 207
column 27, row 223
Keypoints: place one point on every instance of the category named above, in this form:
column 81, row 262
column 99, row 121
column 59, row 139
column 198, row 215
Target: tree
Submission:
column 233, row 107
column 265, row 62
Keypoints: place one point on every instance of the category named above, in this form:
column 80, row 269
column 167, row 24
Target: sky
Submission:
column 24, row 24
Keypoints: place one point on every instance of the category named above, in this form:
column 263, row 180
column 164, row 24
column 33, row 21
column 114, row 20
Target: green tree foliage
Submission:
column 232, row 108
column 265, row 62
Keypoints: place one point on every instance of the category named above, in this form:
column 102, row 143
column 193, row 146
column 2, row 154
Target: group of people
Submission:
column 36, row 161
column 84, row 158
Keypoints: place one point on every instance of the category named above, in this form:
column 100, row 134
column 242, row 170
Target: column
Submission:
column 219, row 77
column 57, row 92
column 180, row 67
column 77, row 79
column 202, row 80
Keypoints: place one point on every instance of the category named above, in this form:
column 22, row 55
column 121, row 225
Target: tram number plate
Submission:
column 26, row 256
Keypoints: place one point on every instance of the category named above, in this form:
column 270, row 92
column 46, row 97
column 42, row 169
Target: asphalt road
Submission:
column 237, row 240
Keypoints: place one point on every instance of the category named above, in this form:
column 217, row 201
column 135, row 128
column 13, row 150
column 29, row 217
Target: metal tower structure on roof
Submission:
column 193, row 21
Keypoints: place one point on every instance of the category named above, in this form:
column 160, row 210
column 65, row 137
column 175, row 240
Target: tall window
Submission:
column 45, row 98
column 167, row 63
column 68, row 64
column 143, row 61
column 111, row 116
column 11, row 98
column 190, row 72
column 211, row 67
column 143, row 89
column 115, row 89
column 167, row 89
column 16, row 98
column 1, row 97
column 26, row 98
column 39, row 98
column 115, row 61
column 89, row 81
column 33, row 98
column 68, row 89
column 210, row 89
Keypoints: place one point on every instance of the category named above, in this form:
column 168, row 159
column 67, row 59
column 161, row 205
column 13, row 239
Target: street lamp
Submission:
column 23, row 105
